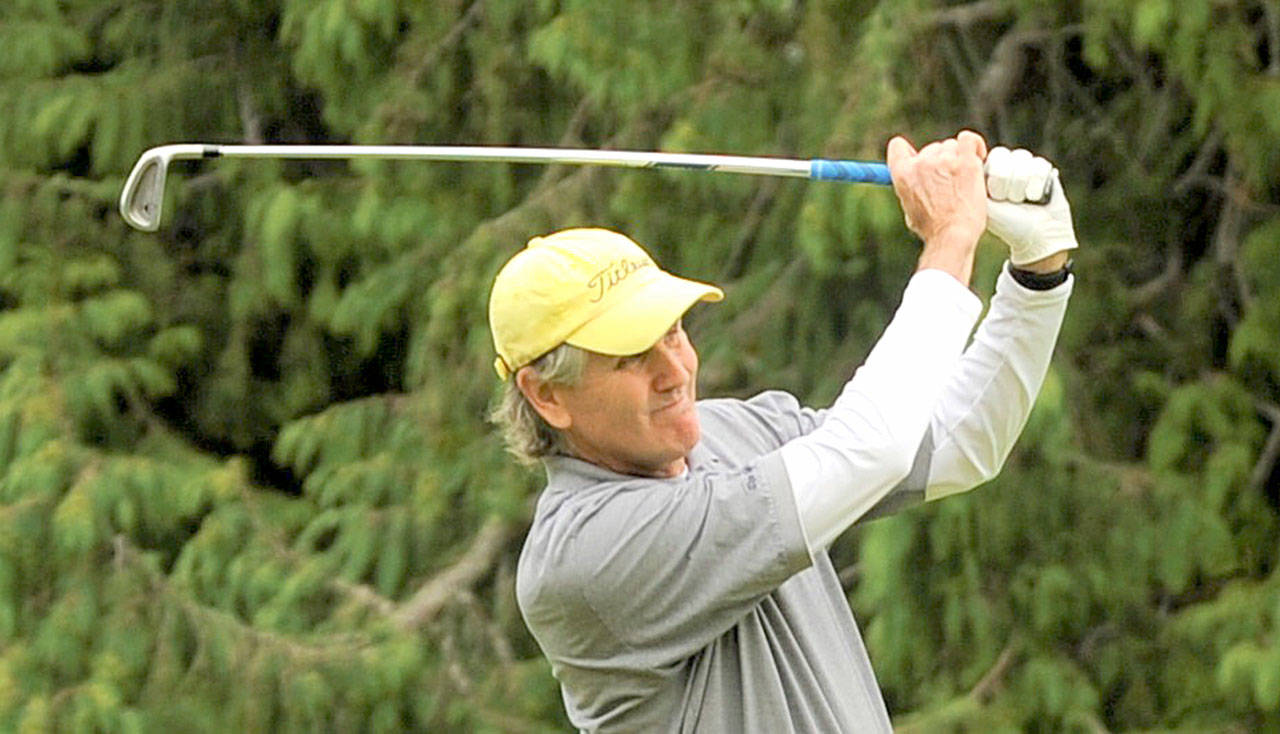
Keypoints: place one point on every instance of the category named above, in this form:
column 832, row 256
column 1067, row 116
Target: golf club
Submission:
column 143, row 194
column 140, row 202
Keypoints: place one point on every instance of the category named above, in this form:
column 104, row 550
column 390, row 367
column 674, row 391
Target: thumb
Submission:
column 900, row 149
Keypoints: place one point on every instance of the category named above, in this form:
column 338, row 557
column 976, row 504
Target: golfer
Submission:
column 676, row 572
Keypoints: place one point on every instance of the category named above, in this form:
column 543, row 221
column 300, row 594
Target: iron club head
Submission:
column 143, row 195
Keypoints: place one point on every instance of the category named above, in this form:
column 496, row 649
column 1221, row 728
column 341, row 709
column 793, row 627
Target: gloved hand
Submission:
column 1032, row 231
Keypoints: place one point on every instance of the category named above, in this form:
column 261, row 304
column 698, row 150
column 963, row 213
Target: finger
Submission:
column 1037, row 179
column 1052, row 188
column 1019, row 166
column 997, row 170
column 972, row 143
column 935, row 148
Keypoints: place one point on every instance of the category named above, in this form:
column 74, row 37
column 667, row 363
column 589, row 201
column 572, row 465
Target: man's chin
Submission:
column 680, row 444
column 689, row 434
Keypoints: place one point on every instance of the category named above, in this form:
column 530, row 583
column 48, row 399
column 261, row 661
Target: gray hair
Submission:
column 528, row 437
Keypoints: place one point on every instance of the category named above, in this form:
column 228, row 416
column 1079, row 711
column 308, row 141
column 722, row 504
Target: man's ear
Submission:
column 543, row 397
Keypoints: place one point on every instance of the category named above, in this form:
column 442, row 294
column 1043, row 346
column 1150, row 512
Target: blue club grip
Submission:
column 821, row 169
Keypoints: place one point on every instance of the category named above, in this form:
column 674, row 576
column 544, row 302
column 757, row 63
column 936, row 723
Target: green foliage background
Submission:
column 245, row 478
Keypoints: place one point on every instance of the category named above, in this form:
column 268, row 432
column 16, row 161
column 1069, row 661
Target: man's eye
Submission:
column 629, row 361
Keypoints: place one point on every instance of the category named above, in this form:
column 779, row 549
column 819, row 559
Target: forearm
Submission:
column 869, row 437
column 950, row 251
column 985, row 404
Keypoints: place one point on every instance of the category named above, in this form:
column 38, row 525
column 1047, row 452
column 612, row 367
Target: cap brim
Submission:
column 639, row 321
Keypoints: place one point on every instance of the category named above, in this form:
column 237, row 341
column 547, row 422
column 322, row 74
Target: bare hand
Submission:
column 944, row 197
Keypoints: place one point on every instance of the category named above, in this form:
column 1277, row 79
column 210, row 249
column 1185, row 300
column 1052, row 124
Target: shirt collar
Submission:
column 569, row 473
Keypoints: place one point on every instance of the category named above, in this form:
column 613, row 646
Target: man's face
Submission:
column 636, row 415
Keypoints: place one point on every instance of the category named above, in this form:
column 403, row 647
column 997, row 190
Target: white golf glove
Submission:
column 1015, row 178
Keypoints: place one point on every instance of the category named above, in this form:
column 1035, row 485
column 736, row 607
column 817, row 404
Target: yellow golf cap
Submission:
column 592, row 288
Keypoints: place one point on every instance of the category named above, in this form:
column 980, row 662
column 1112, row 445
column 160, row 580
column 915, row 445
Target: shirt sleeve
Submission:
column 988, row 398
column 870, row 438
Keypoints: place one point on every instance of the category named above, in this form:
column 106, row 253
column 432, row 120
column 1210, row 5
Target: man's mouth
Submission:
column 679, row 403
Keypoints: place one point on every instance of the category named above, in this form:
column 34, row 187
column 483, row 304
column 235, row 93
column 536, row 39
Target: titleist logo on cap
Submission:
column 613, row 274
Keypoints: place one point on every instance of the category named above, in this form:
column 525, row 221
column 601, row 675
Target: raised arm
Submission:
column 977, row 402
column 870, row 437
column 987, row 401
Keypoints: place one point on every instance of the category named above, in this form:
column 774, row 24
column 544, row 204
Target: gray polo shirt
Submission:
column 692, row 604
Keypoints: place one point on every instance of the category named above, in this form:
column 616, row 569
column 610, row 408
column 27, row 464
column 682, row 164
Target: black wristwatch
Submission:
column 1040, row 281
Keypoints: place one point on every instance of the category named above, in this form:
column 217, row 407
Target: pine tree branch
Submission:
column 1150, row 327
column 849, row 575
column 362, row 594
column 1197, row 171
column 571, row 137
column 432, row 596
column 736, row 263
column 1101, row 122
column 450, row 39
column 967, row 707
column 1144, row 293
column 777, row 298
column 1272, row 15
column 26, row 503
column 1270, row 450
column 453, row 668
column 994, row 678
column 1095, row 724
column 969, row 14
column 365, row 596
column 1226, row 249
column 1269, row 409
column 566, row 192
column 250, row 118
column 501, row 645
column 508, row 722
column 1003, row 74
column 1150, row 135
column 329, row 647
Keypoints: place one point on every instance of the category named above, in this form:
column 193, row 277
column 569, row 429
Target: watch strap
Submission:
column 1041, row 281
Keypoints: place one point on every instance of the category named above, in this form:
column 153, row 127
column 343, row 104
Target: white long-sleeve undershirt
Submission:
column 921, row 380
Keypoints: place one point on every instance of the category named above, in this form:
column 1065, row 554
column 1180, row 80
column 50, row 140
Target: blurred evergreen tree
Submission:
column 245, row 481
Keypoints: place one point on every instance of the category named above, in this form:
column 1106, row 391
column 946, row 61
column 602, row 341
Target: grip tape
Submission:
column 821, row 169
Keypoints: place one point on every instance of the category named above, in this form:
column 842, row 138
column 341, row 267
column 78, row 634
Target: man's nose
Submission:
column 669, row 370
